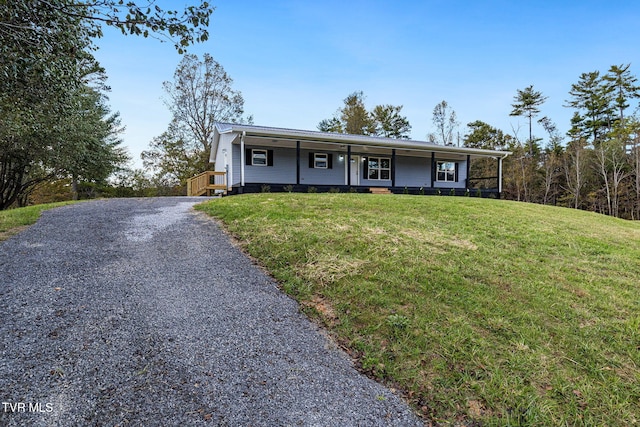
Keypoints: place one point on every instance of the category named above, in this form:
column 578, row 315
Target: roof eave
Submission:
column 347, row 139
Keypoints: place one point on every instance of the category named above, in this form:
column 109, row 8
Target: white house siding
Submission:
column 223, row 159
column 235, row 164
column 410, row 171
column 283, row 170
column 413, row 171
column 312, row 176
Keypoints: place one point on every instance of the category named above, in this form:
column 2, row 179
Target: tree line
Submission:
column 595, row 166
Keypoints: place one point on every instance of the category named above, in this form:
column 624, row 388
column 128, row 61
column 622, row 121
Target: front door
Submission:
column 355, row 171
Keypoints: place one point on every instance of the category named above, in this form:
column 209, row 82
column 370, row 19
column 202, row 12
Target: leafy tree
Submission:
column 482, row 171
column 622, row 83
column 40, row 71
column 578, row 130
column 172, row 159
column 389, row 123
column 593, row 99
column 133, row 182
column 526, row 103
column 90, row 149
column 200, row 95
column 483, row 135
column 45, row 63
column 331, row 125
column 148, row 19
column 601, row 102
column 444, row 118
column 353, row 118
column 80, row 142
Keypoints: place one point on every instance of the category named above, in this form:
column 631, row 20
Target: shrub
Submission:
column 288, row 188
column 265, row 188
column 334, row 190
column 312, row 190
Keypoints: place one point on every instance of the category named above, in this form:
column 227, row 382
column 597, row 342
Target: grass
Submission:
column 486, row 311
column 12, row 221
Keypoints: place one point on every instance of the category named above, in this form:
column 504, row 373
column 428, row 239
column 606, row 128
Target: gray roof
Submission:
column 348, row 139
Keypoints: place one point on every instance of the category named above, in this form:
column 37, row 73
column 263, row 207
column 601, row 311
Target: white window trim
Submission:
column 446, row 172
column 266, row 157
column 322, row 157
column 379, row 168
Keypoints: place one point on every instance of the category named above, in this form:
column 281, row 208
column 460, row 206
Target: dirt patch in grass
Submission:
column 324, row 308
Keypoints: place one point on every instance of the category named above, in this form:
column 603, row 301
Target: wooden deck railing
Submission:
column 206, row 183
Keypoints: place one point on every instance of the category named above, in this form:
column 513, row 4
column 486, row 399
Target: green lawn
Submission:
column 14, row 220
column 481, row 310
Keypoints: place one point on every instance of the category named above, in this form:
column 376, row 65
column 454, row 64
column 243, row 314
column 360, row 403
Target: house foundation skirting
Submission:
column 305, row 188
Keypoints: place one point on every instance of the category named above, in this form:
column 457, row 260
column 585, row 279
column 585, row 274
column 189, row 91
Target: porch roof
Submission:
column 347, row 139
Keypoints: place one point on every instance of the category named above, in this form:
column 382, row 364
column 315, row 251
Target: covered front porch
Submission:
column 304, row 164
column 258, row 158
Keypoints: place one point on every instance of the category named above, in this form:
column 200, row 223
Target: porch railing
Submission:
column 207, row 182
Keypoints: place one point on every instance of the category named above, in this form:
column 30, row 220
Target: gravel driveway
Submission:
column 140, row 312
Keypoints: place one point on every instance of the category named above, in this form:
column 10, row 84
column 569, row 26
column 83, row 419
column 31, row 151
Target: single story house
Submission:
column 256, row 158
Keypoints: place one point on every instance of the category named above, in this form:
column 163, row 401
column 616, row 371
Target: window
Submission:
column 379, row 168
column 259, row 157
column 320, row 161
column 446, row 172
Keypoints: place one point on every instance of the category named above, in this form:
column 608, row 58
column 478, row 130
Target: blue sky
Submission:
column 295, row 61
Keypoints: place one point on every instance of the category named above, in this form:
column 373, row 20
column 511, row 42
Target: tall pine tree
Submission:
column 526, row 103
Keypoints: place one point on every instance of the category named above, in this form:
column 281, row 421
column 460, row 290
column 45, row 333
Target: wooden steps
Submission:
column 379, row 190
column 207, row 183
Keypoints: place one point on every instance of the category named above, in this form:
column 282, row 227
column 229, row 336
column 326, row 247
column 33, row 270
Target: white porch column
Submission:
column 499, row 175
column 242, row 159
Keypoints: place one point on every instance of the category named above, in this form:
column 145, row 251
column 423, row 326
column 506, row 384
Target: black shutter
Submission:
column 269, row 157
column 365, row 170
column 433, row 169
column 455, row 168
column 330, row 161
column 311, row 161
column 247, row 156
